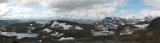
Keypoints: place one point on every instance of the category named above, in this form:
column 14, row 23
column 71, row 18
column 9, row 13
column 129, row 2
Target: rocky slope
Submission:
column 151, row 34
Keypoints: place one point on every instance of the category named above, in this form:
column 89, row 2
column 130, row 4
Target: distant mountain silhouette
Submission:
column 7, row 22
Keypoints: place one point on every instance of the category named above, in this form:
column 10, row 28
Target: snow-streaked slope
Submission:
column 143, row 26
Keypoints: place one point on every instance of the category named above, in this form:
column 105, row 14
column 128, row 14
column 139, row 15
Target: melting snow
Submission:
column 56, row 24
column 47, row 30
column 78, row 28
column 67, row 38
column 142, row 26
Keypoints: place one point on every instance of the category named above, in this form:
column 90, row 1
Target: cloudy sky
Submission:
column 77, row 9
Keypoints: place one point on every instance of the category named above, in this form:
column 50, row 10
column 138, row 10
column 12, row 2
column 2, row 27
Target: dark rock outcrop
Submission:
column 152, row 33
column 7, row 39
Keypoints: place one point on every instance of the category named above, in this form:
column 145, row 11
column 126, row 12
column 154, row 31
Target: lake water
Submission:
column 19, row 35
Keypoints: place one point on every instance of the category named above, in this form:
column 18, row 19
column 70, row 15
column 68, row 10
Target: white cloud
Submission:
column 20, row 10
column 154, row 10
column 28, row 16
column 87, row 9
column 153, row 3
column 149, row 12
column 97, row 12
column 3, row 9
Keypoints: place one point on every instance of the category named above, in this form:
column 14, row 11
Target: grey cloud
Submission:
column 73, row 4
column 3, row 1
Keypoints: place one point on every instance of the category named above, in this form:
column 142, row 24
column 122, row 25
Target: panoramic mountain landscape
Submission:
column 79, row 21
column 112, row 29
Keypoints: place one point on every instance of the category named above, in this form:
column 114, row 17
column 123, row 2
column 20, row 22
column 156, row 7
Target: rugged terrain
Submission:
column 108, row 30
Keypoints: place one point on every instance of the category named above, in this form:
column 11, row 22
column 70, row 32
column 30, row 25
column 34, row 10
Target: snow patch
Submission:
column 67, row 38
column 78, row 28
column 47, row 30
column 142, row 26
